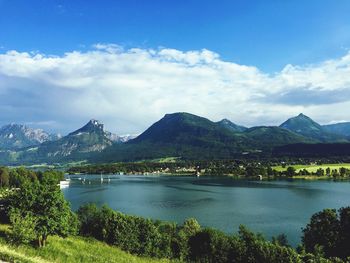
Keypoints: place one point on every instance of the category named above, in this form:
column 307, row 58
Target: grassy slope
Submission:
column 313, row 168
column 71, row 249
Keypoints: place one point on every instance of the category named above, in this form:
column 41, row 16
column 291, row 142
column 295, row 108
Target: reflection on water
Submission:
column 188, row 189
column 269, row 207
column 183, row 203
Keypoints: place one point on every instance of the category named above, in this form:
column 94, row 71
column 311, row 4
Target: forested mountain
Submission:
column 182, row 135
column 231, row 126
column 307, row 127
column 339, row 128
column 270, row 136
column 189, row 136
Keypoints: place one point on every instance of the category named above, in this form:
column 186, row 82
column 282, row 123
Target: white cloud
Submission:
column 130, row 89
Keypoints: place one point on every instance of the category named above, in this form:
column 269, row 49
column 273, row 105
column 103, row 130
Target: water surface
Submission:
column 269, row 207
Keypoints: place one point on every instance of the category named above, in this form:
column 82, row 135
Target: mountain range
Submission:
column 16, row 136
column 180, row 134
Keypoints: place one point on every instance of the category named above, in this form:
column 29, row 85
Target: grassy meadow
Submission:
column 313, row 168
column 71, row 249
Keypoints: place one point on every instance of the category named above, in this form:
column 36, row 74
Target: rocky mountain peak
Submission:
column 13, row 136
column 93, row 126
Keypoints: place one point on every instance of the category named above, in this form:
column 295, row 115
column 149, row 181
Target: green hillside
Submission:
column 307, row 127
column 231, row 126
column 270, row 136
column 67, row 250
column 339, row 128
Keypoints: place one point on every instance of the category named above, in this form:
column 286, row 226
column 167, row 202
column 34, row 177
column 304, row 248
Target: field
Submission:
column 71, row 249
column 313, row 168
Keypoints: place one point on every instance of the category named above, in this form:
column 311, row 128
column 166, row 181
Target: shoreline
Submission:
column 229, row 176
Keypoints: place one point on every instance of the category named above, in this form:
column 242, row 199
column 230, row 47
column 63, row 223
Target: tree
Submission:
column 320, row 172
column 344, row 239
column 45, row 202
column 190, row 228
column 88, row 216
column 342, row 171
column 210, row 245
column 4, row 177
column 290, row 171
column 281, row 240
column 269, row 171
column 323, row 230
column 252, row 171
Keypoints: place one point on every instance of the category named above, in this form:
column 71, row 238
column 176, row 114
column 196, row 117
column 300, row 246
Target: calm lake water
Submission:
column 271, row 208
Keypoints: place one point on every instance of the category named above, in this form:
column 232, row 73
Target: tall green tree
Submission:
column 4, row 177
column 290, row 171
column 323, row 230
column 189, row 229
column 45, row 202
column 344, row 238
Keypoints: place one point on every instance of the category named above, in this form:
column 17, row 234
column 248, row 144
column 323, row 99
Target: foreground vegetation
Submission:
column 188, row 242
column 44, row 229
column 71, row 250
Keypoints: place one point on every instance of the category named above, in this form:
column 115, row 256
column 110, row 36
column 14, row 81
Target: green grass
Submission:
column 313, row 168
column 71, row 249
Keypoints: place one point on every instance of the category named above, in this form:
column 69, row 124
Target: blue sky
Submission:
column 266, row 34
column 251, row 42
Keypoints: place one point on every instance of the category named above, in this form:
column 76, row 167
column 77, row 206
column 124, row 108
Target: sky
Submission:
column 127, row 63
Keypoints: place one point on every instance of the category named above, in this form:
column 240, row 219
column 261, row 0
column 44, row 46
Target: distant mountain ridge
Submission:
column 90, row 138
column 182, row 135
column 77, row 145
column 307, row 127
column 231, row 126
column 342, row 128
column 16, row 136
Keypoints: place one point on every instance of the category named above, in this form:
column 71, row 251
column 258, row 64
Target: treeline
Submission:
column 15, row 177
column 330, row 172
column 242, row 167
column 188, row 242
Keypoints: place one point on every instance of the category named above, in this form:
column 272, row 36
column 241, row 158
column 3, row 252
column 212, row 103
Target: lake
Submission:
column 269, row 207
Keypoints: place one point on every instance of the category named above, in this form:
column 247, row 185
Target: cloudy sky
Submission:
column 128, row 64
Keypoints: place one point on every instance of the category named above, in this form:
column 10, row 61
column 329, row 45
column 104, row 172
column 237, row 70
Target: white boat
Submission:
column 64, row 183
